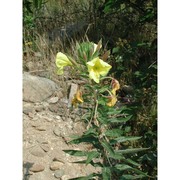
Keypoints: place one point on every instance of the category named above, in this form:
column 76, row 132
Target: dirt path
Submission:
column 46, row 130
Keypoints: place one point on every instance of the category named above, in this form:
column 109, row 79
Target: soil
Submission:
column 47, row 127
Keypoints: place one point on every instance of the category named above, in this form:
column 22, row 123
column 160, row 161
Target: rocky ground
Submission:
column 48, row 122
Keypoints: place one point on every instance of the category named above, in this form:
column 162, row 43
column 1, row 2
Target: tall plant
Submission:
column 112, row 150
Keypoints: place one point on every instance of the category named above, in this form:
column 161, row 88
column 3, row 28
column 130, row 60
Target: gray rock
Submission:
column 27, row 110
column 45, row 147
column 39, row 108
column 65, row 177
column 58, row 158
column 42, row 141
column 57, row 131
column 55, row 165
column 53, row 108
column 53, row 100
column 38, row 151
column 41, row 128
column 37, row 168
column 31, row 114
column 59, row 173
column 37, row 89
column 73, row 90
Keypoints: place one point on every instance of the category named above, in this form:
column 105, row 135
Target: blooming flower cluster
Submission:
column 96, row 69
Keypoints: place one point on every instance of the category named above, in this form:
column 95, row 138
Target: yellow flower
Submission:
column 97, row 67
column 115, row 86
column 112, row 101
column 77, row 98
column 61, row 61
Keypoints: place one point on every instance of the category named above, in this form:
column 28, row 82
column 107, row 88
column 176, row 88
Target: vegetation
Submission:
column 128, row 29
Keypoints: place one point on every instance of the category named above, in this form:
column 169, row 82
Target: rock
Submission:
column 41, row 128
column 53, row 100
column 53, row 108
column 37, row 89
column 38, row 151
column 58, row 117
column 39, row 108
column 31, row 114
column 73, row 90
column 57, row 158
column 42, row 140
column 34, row 119
column 65, row 177
column 37, row 168
column 45, row 147
column 27, row 110
column 57, row 131
column 59, row 173
column 55, row 165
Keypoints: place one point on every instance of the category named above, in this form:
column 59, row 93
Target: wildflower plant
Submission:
column 112, row 149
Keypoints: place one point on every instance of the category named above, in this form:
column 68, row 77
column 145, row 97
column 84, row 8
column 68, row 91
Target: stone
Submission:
column 39, row 108
column 37, row 168
column 42, row 140
column 57, row 131
column 31, row 114
column 65, row 177
column 53, row 100
column 53, row 108
column 38, row 151
column 57, row 158
column 37, row 89
column 59, row 173
column 41, row 128
column 73, row 90
column 55, row 165
column 45, row 147
column 27, row 110
column 58, row 118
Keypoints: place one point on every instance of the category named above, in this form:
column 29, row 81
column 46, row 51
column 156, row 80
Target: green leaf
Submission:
column 114, row 111
column 130, row 161
column 114, row 133
column 106, row 173
column 134, row 150
column 95, row 164
column 107, row 147
column 91, row 131
column 120, row 120
column 124, row 139
column 115, row 50
column 116, row 156
column 85, row 138
column 91, row 155
column 131, row 177
column 123, row 167
column 76, row 152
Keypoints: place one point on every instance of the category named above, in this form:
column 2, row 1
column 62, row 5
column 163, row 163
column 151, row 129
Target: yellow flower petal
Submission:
column 77, row 98
column 112, row 101
column 97, row 67
column 61, row 61
column 115, row 86
column 60, row 71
